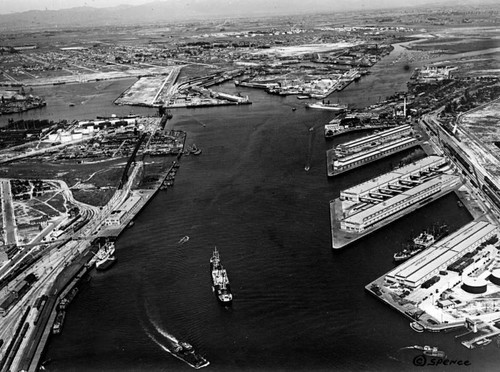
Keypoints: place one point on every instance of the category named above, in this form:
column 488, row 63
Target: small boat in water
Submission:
column 483, row 342
column 195, row 150
column 184, row 239
column 433, row 351
column 185, row 352
column 417, row 327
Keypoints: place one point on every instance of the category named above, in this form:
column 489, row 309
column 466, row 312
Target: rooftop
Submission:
column 386, row 178
column 444, row 250
column 361, row 155
column 398, row 198
column 375, row 136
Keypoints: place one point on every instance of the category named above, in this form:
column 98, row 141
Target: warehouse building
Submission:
column 428, row 264
column 390, row 181
column 373, row 140
column 365, row 218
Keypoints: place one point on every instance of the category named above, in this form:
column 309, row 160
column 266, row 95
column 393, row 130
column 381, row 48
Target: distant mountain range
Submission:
column 174, row 10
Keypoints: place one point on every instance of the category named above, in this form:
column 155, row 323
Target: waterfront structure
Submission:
column 365, row 217
column 391, row 183
column 369, row 142
column 341, row 165
column 424, row 266
column 117, row 216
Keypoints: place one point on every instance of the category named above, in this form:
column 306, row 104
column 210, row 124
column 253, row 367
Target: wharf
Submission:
column 367, row 156
column 341, row 238
column 378, row 288
column 114, row 231
column 65, row 282
column 205, row 104
column 354, row 129
column 409, row 309
column 70, row 277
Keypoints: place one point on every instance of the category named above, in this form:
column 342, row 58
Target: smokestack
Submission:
column 404, row 107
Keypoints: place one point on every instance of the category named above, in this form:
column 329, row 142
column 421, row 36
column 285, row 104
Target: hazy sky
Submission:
column 11, row 6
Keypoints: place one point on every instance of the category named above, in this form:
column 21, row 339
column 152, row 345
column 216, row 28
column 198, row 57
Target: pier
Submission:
column 338, row 165
column 367, row 207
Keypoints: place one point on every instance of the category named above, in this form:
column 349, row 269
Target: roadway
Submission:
column 9, row 219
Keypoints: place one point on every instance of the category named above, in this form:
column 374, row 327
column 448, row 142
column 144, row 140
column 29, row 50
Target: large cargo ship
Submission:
column 105, row 256
column 327, row 106
column 220, row 280
column 186, row 353
column 424, row 240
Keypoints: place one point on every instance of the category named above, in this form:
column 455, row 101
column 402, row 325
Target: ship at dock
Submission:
column 327, row 106
column 58, row 323
column 424, row 240
column 220, row 280
column 186, row 353
column 104, row 256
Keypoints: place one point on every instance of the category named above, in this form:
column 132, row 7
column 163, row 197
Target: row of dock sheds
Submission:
column 448, row 254
column 364, row 150
column 371, row 202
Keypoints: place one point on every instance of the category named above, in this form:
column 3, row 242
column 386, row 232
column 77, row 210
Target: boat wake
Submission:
column 156, row 326
column 310, row 148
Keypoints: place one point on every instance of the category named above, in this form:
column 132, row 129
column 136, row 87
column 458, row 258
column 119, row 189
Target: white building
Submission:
column 117, row 216
column 386, row 180
column 367, row 217
column 427, row 264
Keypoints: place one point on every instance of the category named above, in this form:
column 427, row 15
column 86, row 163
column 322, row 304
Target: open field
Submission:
column 91, row 183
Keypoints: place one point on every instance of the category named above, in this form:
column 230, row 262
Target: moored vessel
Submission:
column 421, row 242
column 327, row 106
column 104, row 256
column 417, row 327
column 483, row 342
column 426, row 239
column 220, row 280
column 58, row 323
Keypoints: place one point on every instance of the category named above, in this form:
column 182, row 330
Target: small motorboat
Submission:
column 184, row 239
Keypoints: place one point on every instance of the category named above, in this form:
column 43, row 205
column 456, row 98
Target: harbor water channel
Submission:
column 297, row 305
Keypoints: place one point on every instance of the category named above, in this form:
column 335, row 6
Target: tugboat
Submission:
column 434, row 352
column 186, row 353
column 406, row 253
column 220, row 280
column 105, row 256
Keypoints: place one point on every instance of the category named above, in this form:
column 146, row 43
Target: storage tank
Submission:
column 474, row 285
column 495, row 277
